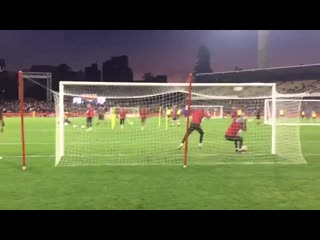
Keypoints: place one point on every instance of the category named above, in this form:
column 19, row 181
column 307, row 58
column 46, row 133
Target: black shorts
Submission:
column 143, row 120
column 258, row 117
column 122, row 121
column 101, row 117
column 195, row 126
column 89, row 119
column 233, row 138
column 175, row 118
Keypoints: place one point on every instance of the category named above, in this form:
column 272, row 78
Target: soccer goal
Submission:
column 295, row 111
column 292, row 113
column 147, row 142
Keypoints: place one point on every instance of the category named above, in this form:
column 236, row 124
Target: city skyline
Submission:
column 171, row 52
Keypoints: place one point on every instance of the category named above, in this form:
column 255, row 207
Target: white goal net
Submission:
column 297, row 111
column 148, row 139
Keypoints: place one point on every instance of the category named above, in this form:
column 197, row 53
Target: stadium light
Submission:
column 263, row 48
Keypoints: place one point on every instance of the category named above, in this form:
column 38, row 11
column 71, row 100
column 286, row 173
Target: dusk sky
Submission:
column 161, row 52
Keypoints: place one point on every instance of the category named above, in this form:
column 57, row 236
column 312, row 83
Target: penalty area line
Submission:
column 63, row 164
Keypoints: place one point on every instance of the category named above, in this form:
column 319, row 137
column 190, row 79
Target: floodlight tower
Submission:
column 263, row 48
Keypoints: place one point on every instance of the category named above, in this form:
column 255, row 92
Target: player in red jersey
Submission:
column 1, row 121
column 143, row 116
column 195, row 125
column 89, row 115
column 122, row 114
column 233, row 132
column 174, row 116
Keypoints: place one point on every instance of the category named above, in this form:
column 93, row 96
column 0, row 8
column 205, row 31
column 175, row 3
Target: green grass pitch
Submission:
column 155, row 179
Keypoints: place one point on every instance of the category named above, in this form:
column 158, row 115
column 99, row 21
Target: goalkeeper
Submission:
column 66, row 118
column 143, row 116
column 122, row 115
column 1, row 121
column 197, row 116
column 258, row 116
column 233, row 132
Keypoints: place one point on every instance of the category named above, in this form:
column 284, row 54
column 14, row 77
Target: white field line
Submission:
column 117, row 141
column 138, row 154
column 191, row 162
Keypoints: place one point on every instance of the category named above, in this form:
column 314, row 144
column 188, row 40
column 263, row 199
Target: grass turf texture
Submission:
column 230, row 186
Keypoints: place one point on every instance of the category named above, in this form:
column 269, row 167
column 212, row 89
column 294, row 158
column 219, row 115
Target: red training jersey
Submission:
column 197, row 116
column 90, row 112
column 143, row 113
column 174, row 113
column 234, row 128
column 122, row 113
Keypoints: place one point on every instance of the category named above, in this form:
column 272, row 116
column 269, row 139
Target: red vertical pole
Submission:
column 21, row 101
column 187, row 125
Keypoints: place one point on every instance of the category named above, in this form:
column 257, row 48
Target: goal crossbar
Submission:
column 77, row 83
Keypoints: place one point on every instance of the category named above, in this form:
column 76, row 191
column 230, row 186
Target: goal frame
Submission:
column 46, row 76
column 189, row 85
column 30, row 75
column 283, row 99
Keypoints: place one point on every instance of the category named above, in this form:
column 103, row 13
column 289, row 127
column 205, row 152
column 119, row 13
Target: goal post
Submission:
column 146, row 142
column 33, row 79
column 21, row 105
column 60, row 121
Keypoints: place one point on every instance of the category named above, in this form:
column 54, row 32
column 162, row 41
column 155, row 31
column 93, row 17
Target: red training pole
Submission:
column 187, row 126
column 21, row 101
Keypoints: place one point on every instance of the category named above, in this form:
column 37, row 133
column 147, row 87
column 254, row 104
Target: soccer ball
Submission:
column 74, row 126
column 82, row 126
column 66, row 124
column 244, row 148
column 237, row 89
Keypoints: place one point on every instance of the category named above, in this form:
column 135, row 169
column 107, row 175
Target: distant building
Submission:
column 161, row 79
column 117, row 70
column 2, row 65
column 156, row 79
column 43, row 68
column 8, row 86
column 80, row 76
column 92, row 73
column 61, row 72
